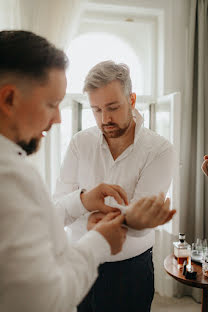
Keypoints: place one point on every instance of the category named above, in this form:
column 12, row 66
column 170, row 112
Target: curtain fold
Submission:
column 194, row 145
column 57, row 21
column 194, row 185
column 194, row 195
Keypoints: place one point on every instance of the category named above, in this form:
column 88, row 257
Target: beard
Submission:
column 33, row 145
column 30, row 147
column 118, row 131
column 115, row 133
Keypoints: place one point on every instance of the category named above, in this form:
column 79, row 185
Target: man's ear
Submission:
column 133, row 100
column 7, row 96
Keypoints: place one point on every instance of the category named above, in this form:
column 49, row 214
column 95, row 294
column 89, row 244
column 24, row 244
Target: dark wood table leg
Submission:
column 205, row 300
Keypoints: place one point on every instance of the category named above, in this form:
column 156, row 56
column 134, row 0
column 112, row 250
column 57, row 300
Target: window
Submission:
column 89, row 49
column 66, row 129
column 88, row 119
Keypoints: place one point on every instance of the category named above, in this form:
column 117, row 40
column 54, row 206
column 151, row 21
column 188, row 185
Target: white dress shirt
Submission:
column 40, row 270
column 145, row 168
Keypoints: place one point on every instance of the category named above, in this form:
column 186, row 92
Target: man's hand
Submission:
column 149, row 212
column 205, row 165
column 110, row 227
column 94, row 218
column 94, row 200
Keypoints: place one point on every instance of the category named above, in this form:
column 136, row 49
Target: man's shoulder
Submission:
column 22, row 188
column 19, row 172
column 152, row 140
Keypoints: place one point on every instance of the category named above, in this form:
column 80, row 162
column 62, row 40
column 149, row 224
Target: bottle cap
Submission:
column 182, row 236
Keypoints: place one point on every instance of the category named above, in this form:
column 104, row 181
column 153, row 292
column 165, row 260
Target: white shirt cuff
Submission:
column 132, row 232
column 73, row 201
column 98, row 244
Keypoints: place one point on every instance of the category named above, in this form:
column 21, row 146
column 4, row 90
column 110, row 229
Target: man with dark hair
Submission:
column 25, row 60
column 40, row 270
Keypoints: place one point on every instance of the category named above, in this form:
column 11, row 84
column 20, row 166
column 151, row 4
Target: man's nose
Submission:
column 57, row 116
column 106, row 118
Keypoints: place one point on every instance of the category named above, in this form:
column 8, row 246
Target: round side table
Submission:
column 170, row 265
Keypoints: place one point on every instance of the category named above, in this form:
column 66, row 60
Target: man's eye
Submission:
column 52, row 105
column 112, row 108
column 96, row 110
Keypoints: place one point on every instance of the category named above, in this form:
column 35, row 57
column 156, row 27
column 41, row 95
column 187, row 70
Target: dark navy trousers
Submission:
column 122, row 286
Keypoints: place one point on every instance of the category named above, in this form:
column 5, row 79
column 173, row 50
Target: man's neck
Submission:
column 6, row 132
column 118, row 145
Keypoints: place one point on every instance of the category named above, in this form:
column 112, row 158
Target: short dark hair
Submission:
column 25, row 54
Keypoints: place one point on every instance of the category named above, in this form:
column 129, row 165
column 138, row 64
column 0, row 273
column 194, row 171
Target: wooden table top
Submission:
column 170, row 265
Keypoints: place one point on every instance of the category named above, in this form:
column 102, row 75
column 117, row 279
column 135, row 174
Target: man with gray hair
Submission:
column 118, row 151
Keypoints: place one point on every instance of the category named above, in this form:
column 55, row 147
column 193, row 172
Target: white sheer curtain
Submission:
column 194, row 185
column 193, row 207
column 194, row 144
column 57, row 21
column 164, row 284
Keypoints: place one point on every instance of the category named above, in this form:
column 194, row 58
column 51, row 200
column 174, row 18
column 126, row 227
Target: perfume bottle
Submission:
column 182, row 251
column 205, row 264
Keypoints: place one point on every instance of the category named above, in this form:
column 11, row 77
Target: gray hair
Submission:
column 106, row 72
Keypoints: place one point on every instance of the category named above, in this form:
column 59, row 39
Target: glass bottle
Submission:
column 182, row 251
column 205, row 264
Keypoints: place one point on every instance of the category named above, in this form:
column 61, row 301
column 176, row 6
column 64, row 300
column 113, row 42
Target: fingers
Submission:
column 158, row 212
column 115, row 191
column 205, row 166
column 96, row 216
column 141, row 201
column 152, row 204
column 110, row 216
column 167, row 204
column 165, row 215
column 135, row 205
column 158, row 202
column 118, row 219
column 109, row 191
column 121, row 192
column 170, row 216
column 124, row 231
column 108, row 209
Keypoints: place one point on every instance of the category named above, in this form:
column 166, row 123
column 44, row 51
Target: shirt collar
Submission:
column 138, row 120
column 11, row 147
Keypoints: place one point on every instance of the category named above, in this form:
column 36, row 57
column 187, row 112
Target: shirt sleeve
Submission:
column 155, row 177
column 157, row 174
column 67, row 188
column 40, row 269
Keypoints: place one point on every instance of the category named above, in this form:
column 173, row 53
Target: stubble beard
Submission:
column 116, row 133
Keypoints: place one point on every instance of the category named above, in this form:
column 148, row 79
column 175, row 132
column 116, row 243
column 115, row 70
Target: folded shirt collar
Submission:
column 11, row 147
